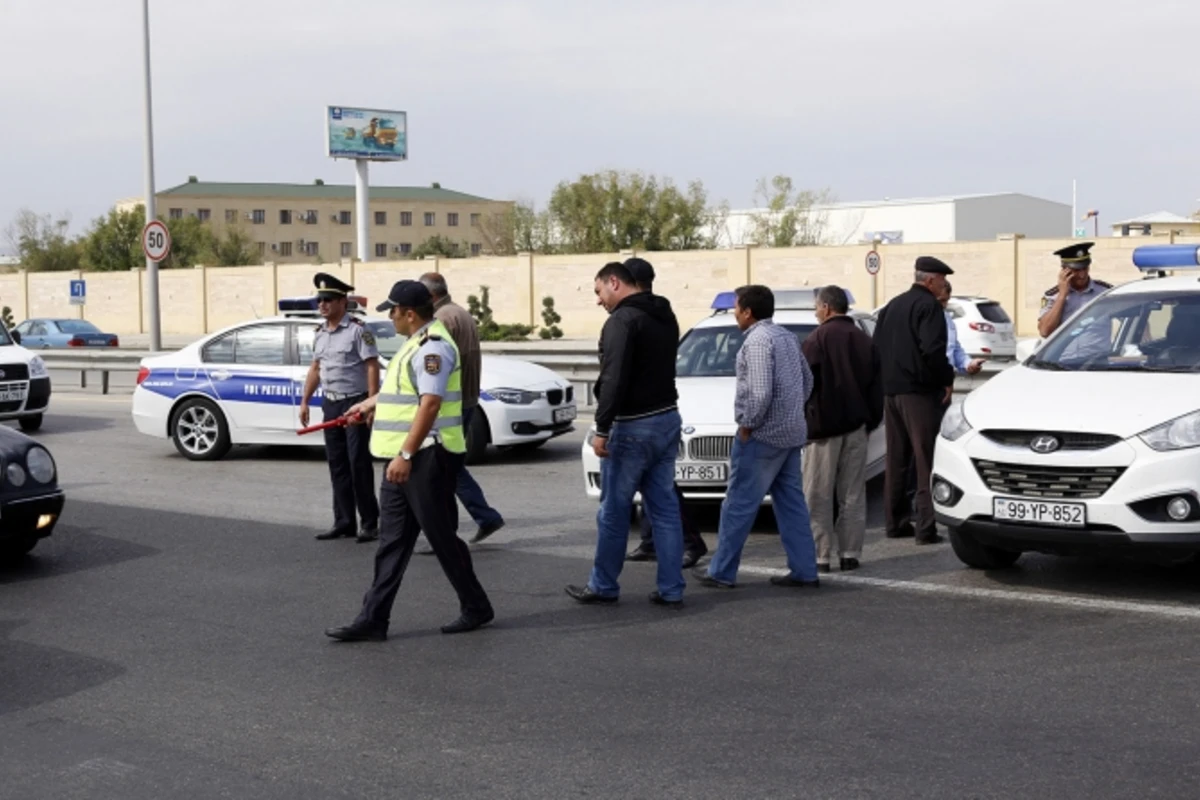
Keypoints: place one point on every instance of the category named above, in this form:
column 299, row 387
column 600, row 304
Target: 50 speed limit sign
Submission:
column 156, row 241
column 873, row 262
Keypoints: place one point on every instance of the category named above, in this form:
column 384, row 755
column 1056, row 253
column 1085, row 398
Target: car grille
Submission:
column 554, row 397
column 1067, row 441
column 710, row 448
column 14, row 372
column 9, row 407
column 1024, row 480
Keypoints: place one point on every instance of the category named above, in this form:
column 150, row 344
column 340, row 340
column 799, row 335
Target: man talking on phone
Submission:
column 1075, row 289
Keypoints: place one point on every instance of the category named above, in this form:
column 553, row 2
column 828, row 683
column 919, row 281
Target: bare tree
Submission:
column 787, row 217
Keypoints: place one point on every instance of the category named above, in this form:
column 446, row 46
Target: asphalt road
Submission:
column 167, row 642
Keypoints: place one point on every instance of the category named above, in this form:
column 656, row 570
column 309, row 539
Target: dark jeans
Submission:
column 425, row 504
column 912, row 422
column 692, row 540
column 470, row 493
column 351, row 469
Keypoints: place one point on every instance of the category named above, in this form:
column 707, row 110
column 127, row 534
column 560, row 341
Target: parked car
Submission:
column 30, row 498
column 46, row 333
column 984, row 328
column 24, row 383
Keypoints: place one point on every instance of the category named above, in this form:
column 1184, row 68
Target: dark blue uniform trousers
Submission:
column 351, row 469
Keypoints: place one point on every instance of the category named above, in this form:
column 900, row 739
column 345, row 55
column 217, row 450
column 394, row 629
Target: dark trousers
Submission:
column 470, row 493
column 425, row 504
column 351, row 470
column 912, row 422
column 692, row 540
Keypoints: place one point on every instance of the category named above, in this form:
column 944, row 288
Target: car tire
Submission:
column 17, row 547
column 199, row 430
column 478, row 435
column 30, row 423
column 980, row 556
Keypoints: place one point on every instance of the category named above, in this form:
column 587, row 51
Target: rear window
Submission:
column 992, row 312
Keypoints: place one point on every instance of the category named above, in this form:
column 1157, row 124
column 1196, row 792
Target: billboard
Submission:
column 366, row 133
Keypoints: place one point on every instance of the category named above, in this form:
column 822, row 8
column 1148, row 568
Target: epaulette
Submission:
column 356, row 320
column 1104, row 284
column 1051, row 292
column 319, row 326
column 428, row 336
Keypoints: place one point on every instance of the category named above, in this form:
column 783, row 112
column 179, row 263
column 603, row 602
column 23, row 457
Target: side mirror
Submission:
column 16, row 336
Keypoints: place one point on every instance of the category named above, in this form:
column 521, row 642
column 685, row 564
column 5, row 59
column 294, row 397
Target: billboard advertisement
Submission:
column 366, row 133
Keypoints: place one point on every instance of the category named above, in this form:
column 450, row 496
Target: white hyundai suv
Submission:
column 1091, row 444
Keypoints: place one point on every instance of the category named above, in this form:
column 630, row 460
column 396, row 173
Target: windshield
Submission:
column 76, row 326
column 1142, row 333
column 386, row 339
column 712, row 352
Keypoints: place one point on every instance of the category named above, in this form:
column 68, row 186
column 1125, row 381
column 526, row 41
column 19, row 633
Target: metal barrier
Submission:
column 104, row 363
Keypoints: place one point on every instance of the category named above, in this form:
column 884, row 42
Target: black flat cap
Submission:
column 330, row 287
column 933, row 266
column 406, row 294
column 641, row 270
column 1076, row 256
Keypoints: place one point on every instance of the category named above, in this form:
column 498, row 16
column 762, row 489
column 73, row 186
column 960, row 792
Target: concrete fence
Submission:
column 1012, row 270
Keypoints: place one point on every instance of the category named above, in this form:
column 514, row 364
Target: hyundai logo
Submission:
column 1044, row 443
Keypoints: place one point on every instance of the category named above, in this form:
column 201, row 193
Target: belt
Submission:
column 339, row 396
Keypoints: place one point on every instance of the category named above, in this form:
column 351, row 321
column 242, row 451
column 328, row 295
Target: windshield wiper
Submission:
column 1050, row 365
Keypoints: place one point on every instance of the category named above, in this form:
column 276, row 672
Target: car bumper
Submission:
column 689, row 458
column 150, row 412
column 518, row 424
column 35, row 398
column 36, row 515
column 1122, row 517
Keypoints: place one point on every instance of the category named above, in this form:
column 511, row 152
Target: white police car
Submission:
column 24, row 383
column 705, row 380
column 243, row 386
column 1092, row 443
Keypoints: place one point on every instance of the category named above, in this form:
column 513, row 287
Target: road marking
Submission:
column 1063, row 601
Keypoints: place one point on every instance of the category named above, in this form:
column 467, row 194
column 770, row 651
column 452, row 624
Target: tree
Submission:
column 114, row 241
column 551, row 317
column 42, row 242
column 438, row 245
column 489, row 330
column 233, row 248
column 789, row 218
column 520, row 228
column 6, row 318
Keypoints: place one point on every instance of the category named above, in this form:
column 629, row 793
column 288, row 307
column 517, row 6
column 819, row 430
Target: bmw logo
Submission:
column 689, row 430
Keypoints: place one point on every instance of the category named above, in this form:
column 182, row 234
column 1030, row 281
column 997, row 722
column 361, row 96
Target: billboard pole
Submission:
column 361, row 192
column 151, row 265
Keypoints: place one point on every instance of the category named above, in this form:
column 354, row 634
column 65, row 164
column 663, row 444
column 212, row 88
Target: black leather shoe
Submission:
column 930, row 538
column 905, row 531
column 368, row 534
column 585, row 595
column 849, row 564
column 824, row 568
column 692, row 557
column 704, row 579
column 358, row 633
column 486, row 530
column 469, row 621
column 789, row 581
column 334, row 534
column 642, row 554
column 658, row 600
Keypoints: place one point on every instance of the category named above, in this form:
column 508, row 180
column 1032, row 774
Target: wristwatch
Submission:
column 406, row 456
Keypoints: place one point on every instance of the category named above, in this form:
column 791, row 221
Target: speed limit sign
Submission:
column 156, row 241
column 874, row 262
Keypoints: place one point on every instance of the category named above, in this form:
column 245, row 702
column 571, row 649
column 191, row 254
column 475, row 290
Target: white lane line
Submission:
column 1040, row 598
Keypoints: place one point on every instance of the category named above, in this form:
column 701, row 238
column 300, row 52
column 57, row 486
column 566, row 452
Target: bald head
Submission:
column 436, row 284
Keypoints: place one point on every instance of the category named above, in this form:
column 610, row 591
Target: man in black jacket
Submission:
column 845, row 406
column 918, row 382
column 637, row 435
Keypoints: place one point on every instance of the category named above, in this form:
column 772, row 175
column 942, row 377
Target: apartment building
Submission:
column 303, row 223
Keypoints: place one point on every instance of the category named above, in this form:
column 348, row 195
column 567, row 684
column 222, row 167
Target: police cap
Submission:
column 329, row 287
column 406, row 294
column 640, row 269
column 933, row 266
column 1076, row 256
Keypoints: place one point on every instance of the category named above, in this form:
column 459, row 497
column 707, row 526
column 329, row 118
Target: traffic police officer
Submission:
column 346, row 366
column 1075, row 289
column 418, row 430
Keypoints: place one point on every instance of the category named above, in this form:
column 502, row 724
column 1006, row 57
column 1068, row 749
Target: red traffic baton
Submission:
column 340, row 422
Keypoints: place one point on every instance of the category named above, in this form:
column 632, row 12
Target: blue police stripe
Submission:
column 226, row 385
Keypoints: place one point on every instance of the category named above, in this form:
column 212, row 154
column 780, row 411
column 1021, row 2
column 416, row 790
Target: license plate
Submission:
column 14, row 396
column 701, row 473
column 1040, row 512
column 564, row 414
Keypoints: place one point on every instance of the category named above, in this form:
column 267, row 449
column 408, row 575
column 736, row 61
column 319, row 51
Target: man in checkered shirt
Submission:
column 773, row 386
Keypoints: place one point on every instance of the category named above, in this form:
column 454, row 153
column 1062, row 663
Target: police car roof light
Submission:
column 785, row 299
column 286, row 304
column 1167, row 256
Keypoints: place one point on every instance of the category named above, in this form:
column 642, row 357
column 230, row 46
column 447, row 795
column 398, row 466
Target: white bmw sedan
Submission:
column 243, row 386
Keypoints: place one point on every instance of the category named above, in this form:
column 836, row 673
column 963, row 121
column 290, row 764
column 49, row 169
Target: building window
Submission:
column 262, row 249
column 452, row 220
column 474, row 220
column 346, row 249
column 406, row 218
column 381, row 251
column 230, row 216
column 405, row 248
column 381, row 218
column 259, row 216
column 344, row 218
column 311, row 249
column 285, row 217
column 204, row 214
column 285, row 248
column 476, row 249
column 430, row 218
column 310, row 217
column 176, row 213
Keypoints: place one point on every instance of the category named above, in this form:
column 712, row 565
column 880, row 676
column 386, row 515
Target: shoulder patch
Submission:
column 368, row 337
column 433, row 364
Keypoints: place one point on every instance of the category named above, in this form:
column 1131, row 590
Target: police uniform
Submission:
column 428, row 363
column 1090, row 340
column 342, row 355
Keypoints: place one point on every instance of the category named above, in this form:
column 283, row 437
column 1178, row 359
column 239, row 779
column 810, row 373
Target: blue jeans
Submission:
column 470, row 493
column 641, row 457
column 756, row 469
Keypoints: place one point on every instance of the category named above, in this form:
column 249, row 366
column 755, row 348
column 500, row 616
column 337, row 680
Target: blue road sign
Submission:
column 78, row 292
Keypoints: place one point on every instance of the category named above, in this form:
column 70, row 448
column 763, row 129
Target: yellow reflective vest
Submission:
column 398, row 400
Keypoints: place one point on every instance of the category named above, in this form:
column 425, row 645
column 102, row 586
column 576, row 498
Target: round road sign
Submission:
column 156, row 241
column 874, row 262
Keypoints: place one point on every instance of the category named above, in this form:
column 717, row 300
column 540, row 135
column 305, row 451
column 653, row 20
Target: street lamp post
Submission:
column 151, row 265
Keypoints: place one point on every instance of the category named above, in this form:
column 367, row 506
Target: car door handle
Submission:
column 220, row 375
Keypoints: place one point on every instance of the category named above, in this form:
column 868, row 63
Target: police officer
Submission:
column 346, row 366
column 418, row 430
column 1075, row 289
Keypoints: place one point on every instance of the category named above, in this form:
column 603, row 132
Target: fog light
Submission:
column 45, row 520
column 1179, row 509
column 942, row 493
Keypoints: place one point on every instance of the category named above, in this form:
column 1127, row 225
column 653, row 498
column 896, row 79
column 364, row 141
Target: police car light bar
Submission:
column 310, row 303
column 1167, row 256
column 785, row 299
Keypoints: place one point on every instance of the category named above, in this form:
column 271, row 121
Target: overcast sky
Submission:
column 868, row 98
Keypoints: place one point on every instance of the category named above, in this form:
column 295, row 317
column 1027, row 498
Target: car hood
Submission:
column 501, row 372
column 1119, row 403
column 706, row 401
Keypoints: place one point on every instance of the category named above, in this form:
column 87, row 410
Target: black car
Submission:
column 30, row 498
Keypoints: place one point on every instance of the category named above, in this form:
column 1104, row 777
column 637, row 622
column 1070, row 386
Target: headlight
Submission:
column 954, row 423
column 518, row 397
column 1178, row 434
column 15, row 475
column 40, row 465
column 37, row 367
